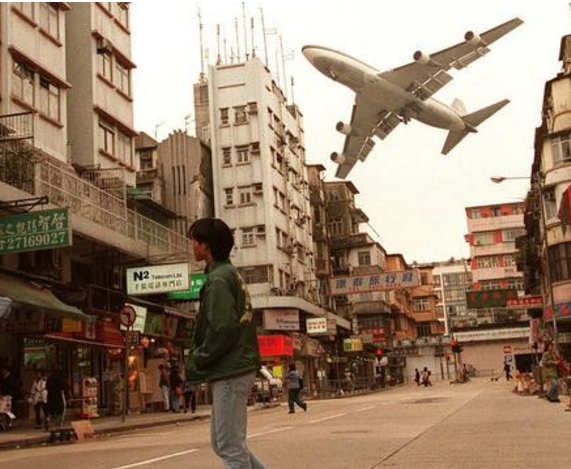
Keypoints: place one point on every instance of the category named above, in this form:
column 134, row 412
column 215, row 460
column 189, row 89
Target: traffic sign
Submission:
column 127, row 316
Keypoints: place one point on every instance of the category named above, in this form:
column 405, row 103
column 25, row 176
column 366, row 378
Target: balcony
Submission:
column 98, row 214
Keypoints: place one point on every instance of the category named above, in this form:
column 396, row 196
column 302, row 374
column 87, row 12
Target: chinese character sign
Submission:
column 34, row 231
column 157, row 279
column 377, row 282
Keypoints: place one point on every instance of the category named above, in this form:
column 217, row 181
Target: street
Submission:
column 476, row 425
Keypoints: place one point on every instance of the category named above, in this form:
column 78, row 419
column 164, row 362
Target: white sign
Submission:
column 494, row 334
column 127, row 316
column 316, row 326
column 158, row 279
column 139, row 324
column 377, row 282
column 281, row 319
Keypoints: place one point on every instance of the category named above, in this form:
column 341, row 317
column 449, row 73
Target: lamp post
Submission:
column 539, row 181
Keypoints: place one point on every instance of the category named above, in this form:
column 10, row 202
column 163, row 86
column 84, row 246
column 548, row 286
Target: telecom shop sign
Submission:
column 155, row 279
column 377, row 282
column 34, row 231
column 197, row 281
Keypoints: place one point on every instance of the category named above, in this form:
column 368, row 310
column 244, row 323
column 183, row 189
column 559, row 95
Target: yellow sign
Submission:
column 71, row 325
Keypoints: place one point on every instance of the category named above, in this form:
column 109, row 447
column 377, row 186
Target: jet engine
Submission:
column 421, row 57
column 345, row 129
column 337, row 158
column 474, row 39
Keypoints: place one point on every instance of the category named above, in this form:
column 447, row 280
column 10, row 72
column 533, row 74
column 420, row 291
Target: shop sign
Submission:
column 108, row 333
column 507, row 349
column 127, row 316
column 281, row 319
column 490, row 298
column 132, row 338
column 157, row 279
column 312, row 348
column 316, row 326
column 197, row 281
column 332, row 326
column 525, row 302
column 24, row 322
column 170, row 324
column 275, row 345
column 154, row 324
column 494, row 334
column 71, row 325
column 377, row 282
column 564, row 337
column 34, row 231
column 562, row 310
column 355, row 344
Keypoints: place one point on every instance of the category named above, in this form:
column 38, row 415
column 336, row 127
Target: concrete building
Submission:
column 100, row 103
column 66, row 291
column 452, row 279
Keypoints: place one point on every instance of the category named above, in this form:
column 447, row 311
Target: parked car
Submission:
column 266, row 387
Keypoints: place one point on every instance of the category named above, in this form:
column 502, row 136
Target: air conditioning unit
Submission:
column 255, row 147
column 258, row 188
column 260, row 230
column 252, row 108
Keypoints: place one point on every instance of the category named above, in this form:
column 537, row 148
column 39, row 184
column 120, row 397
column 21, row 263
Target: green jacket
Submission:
column 224, row 343
column 549, row 365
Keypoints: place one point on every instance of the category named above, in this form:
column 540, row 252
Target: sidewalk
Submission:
column 24, row 434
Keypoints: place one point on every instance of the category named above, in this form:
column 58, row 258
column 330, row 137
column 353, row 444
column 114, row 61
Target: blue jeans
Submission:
column 294, row 397
column 229, row 421
column 165, row 396
column 553, row 392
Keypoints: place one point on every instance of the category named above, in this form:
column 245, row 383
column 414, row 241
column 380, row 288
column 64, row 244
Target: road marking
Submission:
column 275, row 430
column 328, row 418
column 162, row 458
column 366, row 408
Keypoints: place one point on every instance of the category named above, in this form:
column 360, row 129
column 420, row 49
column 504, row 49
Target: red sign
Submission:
column 275, row 345
column 525, row 302
column 128, row 316
column 507, row 349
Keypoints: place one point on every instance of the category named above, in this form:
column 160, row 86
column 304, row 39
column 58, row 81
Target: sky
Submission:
column 414, row 196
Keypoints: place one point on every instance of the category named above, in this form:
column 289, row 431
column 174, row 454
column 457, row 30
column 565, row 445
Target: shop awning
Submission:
column 27, row 294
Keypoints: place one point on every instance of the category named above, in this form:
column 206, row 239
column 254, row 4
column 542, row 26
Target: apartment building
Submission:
column 100, row 103
column 452, row 279
column 424, row 300
column 66, row 291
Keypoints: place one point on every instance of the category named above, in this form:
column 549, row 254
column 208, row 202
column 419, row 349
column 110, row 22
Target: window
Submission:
column 455, row 294
column 496, row 211
column 423, row 330
column 240, row 115
column 561, row 148
column 424, row 278
column 476, row 214
column 106, row 138
column 278, row 237
column 245, row 195
column 560, row 261
column 484, row 239
column 487, row 262
column 550, row 204
column 516, row 283
column 23, row 82
column 49, row 19
column 248, row 238
column 420, row 305
column 490, row 285
column 27, row 8
column 437, row 280
column 243, row 154
column 364, row 258
column 106, row 64
column 335, row 227
column 49, row 99
column 122, row 79
column 124, row 146
column 226, row 156
column 224, row 116
column 122, row 14
column 511, row 235
column 229, row 196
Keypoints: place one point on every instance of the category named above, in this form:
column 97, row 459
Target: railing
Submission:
column 18, row 126
column 65, row 189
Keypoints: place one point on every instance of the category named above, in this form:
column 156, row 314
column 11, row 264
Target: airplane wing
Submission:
column 427, row 74
column 366, row 122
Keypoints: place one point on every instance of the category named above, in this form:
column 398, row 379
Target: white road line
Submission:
column 328, row 418
column 162, row 458
column 254, row 435
column 366, row 408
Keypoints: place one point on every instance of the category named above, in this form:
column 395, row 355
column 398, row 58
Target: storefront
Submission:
column 277, row 353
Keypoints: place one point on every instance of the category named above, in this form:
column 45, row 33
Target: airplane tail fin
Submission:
column 472, row 121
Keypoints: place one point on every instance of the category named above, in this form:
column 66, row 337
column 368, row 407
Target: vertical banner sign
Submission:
column 35, row 231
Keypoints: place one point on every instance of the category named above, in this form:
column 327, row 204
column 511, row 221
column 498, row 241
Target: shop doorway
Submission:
column 524, row 362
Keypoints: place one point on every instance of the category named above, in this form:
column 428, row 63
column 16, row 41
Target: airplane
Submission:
column 384, row 100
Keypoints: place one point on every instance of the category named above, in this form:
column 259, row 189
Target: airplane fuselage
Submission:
column 367, row 81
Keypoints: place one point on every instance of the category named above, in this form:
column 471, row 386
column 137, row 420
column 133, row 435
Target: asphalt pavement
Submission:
column 480, row 424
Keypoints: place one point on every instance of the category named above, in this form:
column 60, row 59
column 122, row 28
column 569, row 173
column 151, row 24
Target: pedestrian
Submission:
column 189, row 396
column 294, row 387
column 425, row 377
column 549, row 372
column 56, row 388
column 417, row 376
column 464, row 374
column 39, row 399
column 507, row 371
column 224, row 348
column 175, row 386
column 349, row 385
column 9, row 384
column 164, row 384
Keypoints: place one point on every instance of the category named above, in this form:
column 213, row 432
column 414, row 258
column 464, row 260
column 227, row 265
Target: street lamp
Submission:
column 539, row 180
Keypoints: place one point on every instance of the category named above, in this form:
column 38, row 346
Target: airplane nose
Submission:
column 310, row 53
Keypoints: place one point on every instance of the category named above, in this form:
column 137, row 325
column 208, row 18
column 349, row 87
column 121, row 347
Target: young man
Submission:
column 224, row 349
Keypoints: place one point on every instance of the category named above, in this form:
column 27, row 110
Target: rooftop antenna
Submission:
column 264, row 35
column 245, row 29
column 225, row 48
column 253, row 42
column 219, row 60
column 292, row 94
column 237, row 39
column 231, row 54
column 200, row 25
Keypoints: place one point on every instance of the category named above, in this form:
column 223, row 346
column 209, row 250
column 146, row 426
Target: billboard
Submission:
column 155, row 279
column 376, row 282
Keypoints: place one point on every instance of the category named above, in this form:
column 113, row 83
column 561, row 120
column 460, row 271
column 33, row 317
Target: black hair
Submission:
column 291, row 367
column 216, row 234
